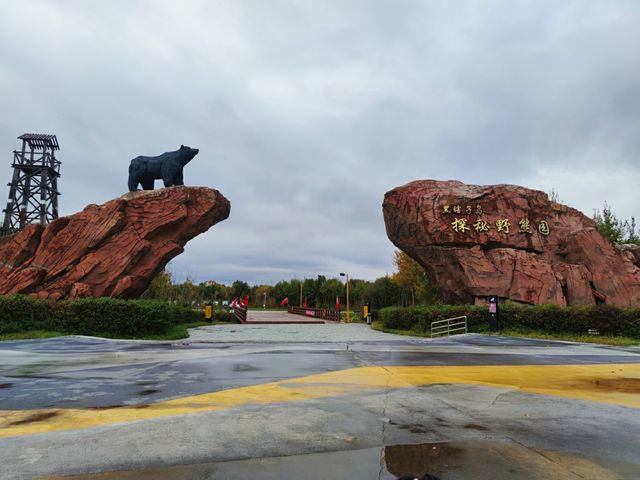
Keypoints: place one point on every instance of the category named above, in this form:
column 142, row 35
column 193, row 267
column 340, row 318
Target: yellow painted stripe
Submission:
column 617, row 384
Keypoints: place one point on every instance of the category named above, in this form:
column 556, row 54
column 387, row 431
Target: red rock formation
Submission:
column 114, row 249
column 453, row 230
column 632, row 252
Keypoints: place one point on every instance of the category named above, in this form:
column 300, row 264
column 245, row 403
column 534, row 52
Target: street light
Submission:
column 347, row 275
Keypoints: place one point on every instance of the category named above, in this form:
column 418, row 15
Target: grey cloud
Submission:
column 305, row 113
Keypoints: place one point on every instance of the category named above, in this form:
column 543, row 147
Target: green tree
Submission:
column 633, row 237
column 262, row 295
column 609, row 225
column 159, row 288
column 239, row 289
column 329, row 290
column 384, row 292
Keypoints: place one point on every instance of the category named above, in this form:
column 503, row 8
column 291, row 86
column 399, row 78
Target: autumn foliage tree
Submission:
column 413, row 280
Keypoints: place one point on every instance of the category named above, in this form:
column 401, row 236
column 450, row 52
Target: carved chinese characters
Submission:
column 481, row 225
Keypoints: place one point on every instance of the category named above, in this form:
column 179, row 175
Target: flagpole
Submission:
column 300, row 294
column 348, row 313
column 347, row 275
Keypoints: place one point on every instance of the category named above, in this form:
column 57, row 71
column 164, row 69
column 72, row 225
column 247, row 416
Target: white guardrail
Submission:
column 449, row 326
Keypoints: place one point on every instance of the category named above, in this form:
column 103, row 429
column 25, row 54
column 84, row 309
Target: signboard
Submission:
column 493, row 312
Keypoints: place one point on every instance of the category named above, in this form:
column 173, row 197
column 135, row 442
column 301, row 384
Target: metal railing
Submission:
column 448, row 326
column 241, row 314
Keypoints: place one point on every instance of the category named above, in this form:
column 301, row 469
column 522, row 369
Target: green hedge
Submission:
column 575, row 319
column 92, row 316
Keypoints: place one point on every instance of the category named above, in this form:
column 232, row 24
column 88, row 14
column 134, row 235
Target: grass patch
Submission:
column 29, row 335
column 377, row 325
column 570, row 337
column 175, row 332
column 512, row 332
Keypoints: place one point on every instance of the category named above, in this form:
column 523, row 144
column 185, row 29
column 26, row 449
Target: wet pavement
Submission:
column 317, row 401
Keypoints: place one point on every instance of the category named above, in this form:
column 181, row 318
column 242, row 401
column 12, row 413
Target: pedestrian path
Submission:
column 279, row 317
column 279, row 332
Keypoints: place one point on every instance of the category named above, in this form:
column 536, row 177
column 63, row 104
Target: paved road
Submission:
column 317, row 401
column 269, row 317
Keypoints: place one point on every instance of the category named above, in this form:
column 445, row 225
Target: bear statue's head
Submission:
column 187, row 153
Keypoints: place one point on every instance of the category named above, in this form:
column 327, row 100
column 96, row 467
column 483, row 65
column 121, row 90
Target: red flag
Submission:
column 285, row 301
column 245, row 302
column 338, row 303
column 305, row 304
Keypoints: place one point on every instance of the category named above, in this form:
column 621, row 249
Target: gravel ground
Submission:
column 341, row 332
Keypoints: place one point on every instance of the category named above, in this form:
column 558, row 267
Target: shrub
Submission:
column 575, row 319
column 92, row 316
column 19, row 313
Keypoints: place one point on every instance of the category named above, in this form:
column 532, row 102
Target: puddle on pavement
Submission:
column 433, row 458
column 474, row 426
column 241, row 367
column 149, row 391
column 412, row 427
column 474, row 460
column 38, row 417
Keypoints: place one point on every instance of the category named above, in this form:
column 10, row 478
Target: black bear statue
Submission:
column 167, row 167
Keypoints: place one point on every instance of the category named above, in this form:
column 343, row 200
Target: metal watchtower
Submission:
column 33, row 192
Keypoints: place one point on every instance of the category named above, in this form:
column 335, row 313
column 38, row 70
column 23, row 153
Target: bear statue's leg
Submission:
column 133, row 183
column 178, row 179
column 168, row 181
column 168, row 174
column 147, row 184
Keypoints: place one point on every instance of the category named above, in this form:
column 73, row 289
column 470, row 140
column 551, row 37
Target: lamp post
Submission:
column 347, row 276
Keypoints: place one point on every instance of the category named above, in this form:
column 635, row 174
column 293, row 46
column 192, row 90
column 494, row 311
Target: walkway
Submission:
column 262, row 316
column 300, row 333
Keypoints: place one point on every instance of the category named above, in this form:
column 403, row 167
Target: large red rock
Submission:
column 559, row 257
column 114, row 249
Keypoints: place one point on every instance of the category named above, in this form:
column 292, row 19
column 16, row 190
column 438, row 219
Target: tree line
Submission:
column 408, row 286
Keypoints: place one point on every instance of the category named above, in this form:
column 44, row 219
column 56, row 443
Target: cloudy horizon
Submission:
column 306, row 113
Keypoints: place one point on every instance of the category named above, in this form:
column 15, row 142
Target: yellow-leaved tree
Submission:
column 413, row 280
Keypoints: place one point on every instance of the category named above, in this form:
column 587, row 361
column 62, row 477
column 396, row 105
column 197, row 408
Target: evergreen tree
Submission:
column 609, row 225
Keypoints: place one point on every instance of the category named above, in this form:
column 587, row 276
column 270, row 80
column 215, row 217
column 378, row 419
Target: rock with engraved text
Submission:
column 509, row 241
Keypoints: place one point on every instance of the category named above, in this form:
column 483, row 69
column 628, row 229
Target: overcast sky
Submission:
column 307, row 112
